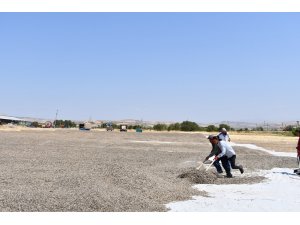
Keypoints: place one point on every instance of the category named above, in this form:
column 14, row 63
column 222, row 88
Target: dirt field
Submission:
column 71, row 170
column 266, row 140
column 270, row 142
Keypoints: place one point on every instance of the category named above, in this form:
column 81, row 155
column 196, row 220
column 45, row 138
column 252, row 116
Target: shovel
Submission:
column 199, row 167
column 210, row 165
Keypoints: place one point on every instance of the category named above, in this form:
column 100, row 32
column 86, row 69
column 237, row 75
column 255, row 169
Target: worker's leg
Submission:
column 233, row 165
column 226, row 165
column 218, row 166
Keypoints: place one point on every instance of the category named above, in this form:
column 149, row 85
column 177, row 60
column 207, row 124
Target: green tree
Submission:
column 259, row 129
column 211, row 128
column 58, row 123
column 227, row 127
column 189, row 126
column 160, row 127
column 35, row 124
column 174, row 126
column 69, row 124
column 288, row 128
column 64, row 123
column 295, row 131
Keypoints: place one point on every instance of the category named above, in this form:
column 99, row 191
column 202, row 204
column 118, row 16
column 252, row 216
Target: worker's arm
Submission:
column 210, row 155
column 223, row 150
column 214, row 151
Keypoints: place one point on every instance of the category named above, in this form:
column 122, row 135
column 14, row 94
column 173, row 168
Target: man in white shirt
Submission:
column 224, row 136
column 227, row 157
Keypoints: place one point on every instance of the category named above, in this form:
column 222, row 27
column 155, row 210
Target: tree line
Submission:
column 57, row 124
column 189, row 126
column 184, row 126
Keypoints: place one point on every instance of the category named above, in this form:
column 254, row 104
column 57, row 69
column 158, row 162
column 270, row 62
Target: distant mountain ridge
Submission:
column 233, row 124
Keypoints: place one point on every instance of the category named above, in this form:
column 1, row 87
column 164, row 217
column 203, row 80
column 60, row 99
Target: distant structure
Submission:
column 54, row 123
column 85, row 126
column 11, row 120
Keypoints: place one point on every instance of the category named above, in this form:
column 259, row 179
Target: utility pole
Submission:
column 54, row 124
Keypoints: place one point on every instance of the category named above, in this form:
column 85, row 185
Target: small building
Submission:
column 11, row 120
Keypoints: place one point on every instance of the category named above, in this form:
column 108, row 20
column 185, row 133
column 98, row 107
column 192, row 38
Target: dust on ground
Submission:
column 70, row 170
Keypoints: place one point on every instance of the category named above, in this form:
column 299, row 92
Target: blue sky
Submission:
column 204, row 67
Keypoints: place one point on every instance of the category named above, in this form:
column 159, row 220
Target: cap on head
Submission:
column 210, row 137
column 224, row 129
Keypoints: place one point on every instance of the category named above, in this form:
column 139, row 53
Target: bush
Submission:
column 35, row 124
column 259, row 129
column 174, row 126
column 189, row 126
column 288, row 128
column 160, row 127
column 295, row 131
column 64, row 123
column 211, row 128
column 227, row 127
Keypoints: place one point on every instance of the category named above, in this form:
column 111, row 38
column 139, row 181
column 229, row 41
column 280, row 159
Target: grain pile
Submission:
column 199, row 176
column 69, row 170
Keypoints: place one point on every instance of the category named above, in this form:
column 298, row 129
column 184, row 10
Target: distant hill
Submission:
column 233, row 124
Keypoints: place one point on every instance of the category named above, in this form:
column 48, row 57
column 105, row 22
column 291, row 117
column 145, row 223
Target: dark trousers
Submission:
column 232, row 163
column 218, row 166
column 229, row 163
column 226, row 165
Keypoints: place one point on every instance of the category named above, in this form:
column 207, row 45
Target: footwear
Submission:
column 241, row 169
column 229, row 175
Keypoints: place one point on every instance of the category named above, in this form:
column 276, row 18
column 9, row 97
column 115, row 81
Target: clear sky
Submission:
column 204, row 67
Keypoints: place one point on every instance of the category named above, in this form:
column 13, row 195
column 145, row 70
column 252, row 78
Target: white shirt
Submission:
column 226, row 149
column 223, row 137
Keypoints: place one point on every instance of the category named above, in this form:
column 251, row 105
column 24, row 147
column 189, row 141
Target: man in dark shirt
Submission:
column 215, row 151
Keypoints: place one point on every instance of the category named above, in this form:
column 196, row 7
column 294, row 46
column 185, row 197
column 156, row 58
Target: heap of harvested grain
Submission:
column 199, row 176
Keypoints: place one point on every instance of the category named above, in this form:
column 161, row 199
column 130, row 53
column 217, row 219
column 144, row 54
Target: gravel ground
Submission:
column 71, row 170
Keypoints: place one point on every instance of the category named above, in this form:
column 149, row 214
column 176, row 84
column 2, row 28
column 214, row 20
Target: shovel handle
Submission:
column 210, row 165
column 199, row 167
